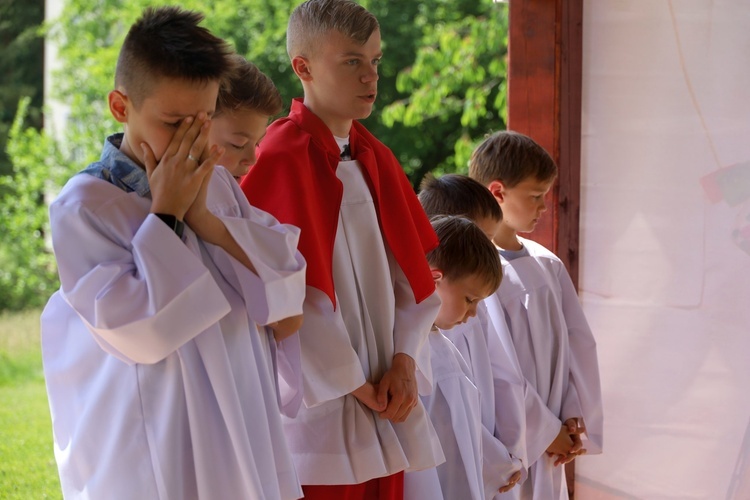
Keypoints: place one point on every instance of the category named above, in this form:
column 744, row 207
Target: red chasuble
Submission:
column 295, row 180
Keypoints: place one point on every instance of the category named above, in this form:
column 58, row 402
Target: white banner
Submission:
column 665, row 245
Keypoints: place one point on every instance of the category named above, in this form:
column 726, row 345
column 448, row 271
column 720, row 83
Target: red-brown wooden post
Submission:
column 544, row 102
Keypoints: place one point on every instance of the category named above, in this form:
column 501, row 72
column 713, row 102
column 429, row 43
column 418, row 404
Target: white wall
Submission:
column 665, row 245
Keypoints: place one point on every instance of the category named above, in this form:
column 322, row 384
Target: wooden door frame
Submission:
column 544, row 102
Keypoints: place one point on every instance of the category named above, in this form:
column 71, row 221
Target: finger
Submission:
column 190, row 137
column 211, row 160
column 577, row 444
column 395, row 404
column 174, row 144
column 383, row 395
column 403, row 413
column 149, row 159
column 197, row 148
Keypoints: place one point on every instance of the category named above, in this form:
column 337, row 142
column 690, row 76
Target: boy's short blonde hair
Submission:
column 453, row 194
column 248, row 88
column 511, row 158
column 167, row 42
column 314, row 18
column 464, row 250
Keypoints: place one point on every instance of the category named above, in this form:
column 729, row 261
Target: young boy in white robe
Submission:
column 553, row 342
column 466, row 269
column 243, row 110
column 370, row 298
column 486, row 347
column 160, row 382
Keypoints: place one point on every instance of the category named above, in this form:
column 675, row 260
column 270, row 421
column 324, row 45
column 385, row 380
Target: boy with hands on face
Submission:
column 160, row 383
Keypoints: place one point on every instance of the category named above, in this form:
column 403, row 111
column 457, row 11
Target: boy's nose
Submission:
column 371, row 75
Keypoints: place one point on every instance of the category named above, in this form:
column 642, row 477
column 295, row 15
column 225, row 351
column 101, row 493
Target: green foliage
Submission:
column 21, row 65
column 456, row 88
column 27, row 272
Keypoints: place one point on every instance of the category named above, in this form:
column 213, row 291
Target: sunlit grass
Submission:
column 27, row 465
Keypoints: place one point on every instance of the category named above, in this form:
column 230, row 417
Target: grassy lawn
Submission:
column 27, row 463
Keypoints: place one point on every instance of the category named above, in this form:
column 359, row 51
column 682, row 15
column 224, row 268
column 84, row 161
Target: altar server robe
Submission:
column 454, row 409
column 160, row 383
column 335, row 439
column 491, row 359
column 556, row 351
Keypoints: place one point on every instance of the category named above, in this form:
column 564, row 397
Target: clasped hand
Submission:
column 179, row 179
column 395, row 396
column 568, row 445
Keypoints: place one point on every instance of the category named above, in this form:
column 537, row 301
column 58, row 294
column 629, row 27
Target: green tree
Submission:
column 27, row 271
column 455, row 92
column 21, row 66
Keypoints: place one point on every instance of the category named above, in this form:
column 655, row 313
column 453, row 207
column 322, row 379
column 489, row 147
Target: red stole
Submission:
column 295, row 180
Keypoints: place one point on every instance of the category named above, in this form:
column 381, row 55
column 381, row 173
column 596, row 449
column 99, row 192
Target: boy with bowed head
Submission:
column 244, row 107
column 159, row 379
column 485, row 345
column 553, row 342
column 370, row 298
column 466, row 269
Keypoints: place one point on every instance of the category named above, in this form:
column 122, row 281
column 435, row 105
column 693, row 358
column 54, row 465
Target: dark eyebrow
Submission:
column 360, row 54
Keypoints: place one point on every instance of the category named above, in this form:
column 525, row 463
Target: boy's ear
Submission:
column 301, row 67
column 497, row 189
column 437, row 275
column 118, row 105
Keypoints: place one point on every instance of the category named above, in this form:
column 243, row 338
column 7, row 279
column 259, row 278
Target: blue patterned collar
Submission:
column 117, row 168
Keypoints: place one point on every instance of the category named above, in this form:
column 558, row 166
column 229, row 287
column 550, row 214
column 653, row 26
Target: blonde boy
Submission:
column 370, row 297
column 160, row 384
column 555, row 347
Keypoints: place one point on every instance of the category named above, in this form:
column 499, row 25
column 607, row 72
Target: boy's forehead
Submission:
column 474, row 285
column 535, row 184
column 177, row 98
column 344, row 45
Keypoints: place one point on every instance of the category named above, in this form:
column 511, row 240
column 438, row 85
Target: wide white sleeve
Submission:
column 508, row 383
column 412, row 325
column 330, row 365
column 497, row 464
column 141, row 299
column 541, row 425
column 584, row 394
column 277, row 289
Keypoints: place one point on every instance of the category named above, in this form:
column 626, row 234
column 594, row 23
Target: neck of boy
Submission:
column 128, row 151
column 507, row 238
column 337, row 125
